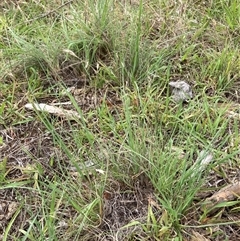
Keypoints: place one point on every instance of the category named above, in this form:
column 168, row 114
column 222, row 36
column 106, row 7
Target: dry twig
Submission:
column 228, row 193
column 54, row 110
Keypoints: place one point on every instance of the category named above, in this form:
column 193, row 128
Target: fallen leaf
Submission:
column 54, row 110
column 198, row 237
column 100, row 171
column 204, row 159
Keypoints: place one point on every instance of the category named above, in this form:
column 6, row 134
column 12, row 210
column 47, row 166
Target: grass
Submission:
column 124, row 171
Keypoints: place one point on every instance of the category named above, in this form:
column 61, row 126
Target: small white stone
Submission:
column 181, row 91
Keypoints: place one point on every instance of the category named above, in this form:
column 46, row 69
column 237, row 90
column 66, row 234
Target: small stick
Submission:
column 54, row 110
column 228, row 193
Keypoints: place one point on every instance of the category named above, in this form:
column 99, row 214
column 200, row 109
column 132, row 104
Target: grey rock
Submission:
column 181, row 91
